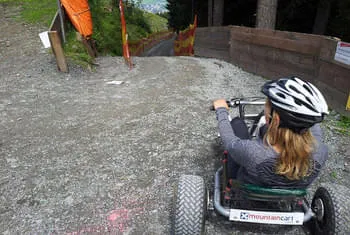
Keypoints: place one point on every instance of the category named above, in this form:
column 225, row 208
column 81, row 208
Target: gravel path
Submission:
column 81, row 155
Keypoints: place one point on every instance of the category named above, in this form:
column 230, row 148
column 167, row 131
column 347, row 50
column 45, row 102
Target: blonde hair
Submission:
column 294, row 161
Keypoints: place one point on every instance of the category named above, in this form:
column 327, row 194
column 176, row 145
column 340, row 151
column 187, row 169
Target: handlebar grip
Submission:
column 229, row 104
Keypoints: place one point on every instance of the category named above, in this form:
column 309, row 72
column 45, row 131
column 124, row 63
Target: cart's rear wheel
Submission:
column 190, row 206
column 331, row 206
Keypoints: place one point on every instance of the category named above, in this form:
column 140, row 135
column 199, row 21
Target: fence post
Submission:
column 58, row 51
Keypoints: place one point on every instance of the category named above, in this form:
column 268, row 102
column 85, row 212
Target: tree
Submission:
column 266, row 14
column 180, row 13
column 322, row 16
column 218, row 12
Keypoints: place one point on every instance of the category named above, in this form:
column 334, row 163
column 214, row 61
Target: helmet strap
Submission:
column 271, row 115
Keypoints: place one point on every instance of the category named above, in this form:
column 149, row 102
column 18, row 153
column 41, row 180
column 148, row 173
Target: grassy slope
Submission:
column 42, row 11
column 35, row 11
column 156, row 22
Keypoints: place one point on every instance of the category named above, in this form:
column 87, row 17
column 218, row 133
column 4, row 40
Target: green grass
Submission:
column 334, row 175
column 35, row 11
column 344, row 125
column 344, row 122
column 76, row 52
column 156, row 22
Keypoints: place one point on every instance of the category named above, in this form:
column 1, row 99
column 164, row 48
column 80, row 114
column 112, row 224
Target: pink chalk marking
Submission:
column 118, row 219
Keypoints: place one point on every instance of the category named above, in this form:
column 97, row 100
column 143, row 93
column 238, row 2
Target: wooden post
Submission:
column 90, row 47
column 57, row 49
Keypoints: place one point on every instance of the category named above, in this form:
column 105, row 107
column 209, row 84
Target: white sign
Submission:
column 342, row 53
column 266, row 217
column 44, row 36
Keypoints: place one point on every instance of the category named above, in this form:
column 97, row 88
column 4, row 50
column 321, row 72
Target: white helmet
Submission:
column 299, row 103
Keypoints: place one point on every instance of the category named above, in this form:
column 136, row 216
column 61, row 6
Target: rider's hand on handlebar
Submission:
column 221, row 103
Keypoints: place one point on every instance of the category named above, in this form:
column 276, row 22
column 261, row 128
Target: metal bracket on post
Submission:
column 60, row 11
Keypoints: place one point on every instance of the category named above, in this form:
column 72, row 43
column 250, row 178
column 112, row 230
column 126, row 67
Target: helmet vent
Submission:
column 308, row 99
column 308, row 89
column 298, row 102
column 294, row 89
column 281, row 95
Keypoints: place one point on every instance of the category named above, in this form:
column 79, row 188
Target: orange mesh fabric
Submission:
column 183, row 45
column 79, row 13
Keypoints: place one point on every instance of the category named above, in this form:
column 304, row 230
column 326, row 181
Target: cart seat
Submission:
column 259, row 190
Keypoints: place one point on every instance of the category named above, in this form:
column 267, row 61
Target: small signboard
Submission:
column 348, row 104
column 342, row 53
column 44, row 36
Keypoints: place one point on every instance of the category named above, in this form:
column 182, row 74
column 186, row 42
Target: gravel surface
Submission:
column 81, row 154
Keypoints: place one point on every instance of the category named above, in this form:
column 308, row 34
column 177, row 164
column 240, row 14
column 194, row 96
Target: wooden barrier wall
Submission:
column 273, row 54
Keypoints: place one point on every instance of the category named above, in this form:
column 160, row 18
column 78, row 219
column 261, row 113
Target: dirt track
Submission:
column 80, row 155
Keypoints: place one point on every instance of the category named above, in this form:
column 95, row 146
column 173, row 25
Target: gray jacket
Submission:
column 258, row 161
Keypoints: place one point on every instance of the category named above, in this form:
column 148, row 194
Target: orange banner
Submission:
column 126, row 53
column 79, row 13
column 184, row 43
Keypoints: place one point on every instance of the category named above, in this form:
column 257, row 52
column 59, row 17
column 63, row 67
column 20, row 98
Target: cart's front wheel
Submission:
column 190, row 205
column 331, row 206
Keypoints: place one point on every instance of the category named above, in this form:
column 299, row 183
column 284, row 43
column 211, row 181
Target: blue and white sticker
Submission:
column 266, row 217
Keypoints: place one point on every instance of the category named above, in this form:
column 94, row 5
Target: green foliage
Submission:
column 344, row 125
column 75, row 51
column 157, row 22
column 107, row 26
column 333, row 174
column 339, row 23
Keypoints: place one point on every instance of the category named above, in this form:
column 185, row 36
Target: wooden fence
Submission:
column 273, row 54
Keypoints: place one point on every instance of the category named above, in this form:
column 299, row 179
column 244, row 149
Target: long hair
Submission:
column 294, row 161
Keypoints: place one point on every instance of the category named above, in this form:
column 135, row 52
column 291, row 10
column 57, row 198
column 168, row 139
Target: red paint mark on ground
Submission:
column 118, row 220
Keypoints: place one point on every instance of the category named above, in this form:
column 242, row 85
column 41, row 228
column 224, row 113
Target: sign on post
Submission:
column 342, row 54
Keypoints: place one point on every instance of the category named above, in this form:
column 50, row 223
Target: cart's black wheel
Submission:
column 331, row 206
column 190, row 206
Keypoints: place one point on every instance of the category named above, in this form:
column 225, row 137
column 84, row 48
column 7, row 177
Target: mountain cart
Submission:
column 328, row 212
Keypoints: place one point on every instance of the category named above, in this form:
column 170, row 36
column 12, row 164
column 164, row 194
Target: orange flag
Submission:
column 126, row 53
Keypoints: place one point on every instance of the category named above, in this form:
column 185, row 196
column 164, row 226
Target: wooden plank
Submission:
column 280, row 43
column 89, row 45
column 57, row 49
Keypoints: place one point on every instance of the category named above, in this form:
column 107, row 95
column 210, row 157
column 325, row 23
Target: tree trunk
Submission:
column 266, row 14
column 218, row 12
column 322, row 16
column 210, row 13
